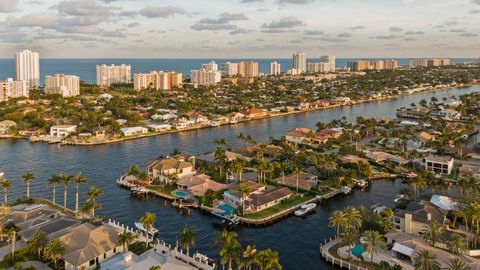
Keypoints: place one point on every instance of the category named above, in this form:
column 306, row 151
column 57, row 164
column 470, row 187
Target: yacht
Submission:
column 305, row 209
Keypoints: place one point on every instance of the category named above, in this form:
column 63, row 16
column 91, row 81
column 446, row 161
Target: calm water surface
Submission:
column 296, row 239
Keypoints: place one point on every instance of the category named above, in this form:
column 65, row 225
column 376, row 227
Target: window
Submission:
column 92, row 262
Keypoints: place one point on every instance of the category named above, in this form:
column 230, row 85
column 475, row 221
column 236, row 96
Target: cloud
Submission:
column 313, row 32
column 221, row 23
column 476, row 2
column 395, row 29
column 296, row 2
column 128, row 13
column 475, row 11
column 384, row 37
column 240, row 31
column 358, row 27
column 457, row 31
column 468, row 35
column 285, row 22
column 8, row 6
column 251, row 1
column 328, row 39
column 414, row 33
column 134, row 24
column 344, row 35
column 160, row 12
column 410, row 39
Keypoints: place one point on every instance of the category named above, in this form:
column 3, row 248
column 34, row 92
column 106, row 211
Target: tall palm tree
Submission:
column 457, row 244
column 148, row 221
column 221, row 158
column 269, row 260
column 231, row 250
column 134, row 170
column 238, row 168
column 54, row 181
column 12, row 235
column 249, row 256
column 244, row 190
column 126, row 238
column 417, row 183
column 348, row 237
column 6, row 185
column 92, row 195
column 374, row 243
column 433, row 232
column 353, row 216
column 64, row 179
column 221, row 239
column 297, row 171
column 457, row 264
column 37, row 243
column 78, row 179
column 54, row 250
column 187, row 238
column 426, row 260
column 27, row 178
column 337, row 220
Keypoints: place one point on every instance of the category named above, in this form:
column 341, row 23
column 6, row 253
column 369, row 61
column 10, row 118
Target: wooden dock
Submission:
column 325, row 254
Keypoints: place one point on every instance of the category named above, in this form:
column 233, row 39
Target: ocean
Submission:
column 86, row 68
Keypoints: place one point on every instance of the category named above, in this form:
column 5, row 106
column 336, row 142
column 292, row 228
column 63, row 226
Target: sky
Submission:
column 240, row 28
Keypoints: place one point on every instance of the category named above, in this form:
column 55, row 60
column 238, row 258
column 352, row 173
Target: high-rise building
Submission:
column 212, row 66
column 157, row 80
column 373, row 65
column 330, row 60
column 205, row 77
column 229, row 69
column 318, row 67
column 300, row 62
column 248, row 69
column 438, row 62
column 418, row 62
column 13, row 89
column 28, row 67
column 108, row 75
column 275, row 68
column 65, row 85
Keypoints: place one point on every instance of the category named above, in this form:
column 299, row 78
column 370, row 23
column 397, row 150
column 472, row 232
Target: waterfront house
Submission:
column 352, row 159
column 438, row 164
column 299, row 135
column 100, row 133
column 426, row 136
column 62, row 131
column 159, row 127
column 252, row 151
column 180, row 165
column 236, row 116
column 267, row 198
column 306, row 181
column 234, row 197
column 209, row 158
column 197, row 118
column 130, row 131
column 416, row 217
column 164, row 117
column 6, row 127
column 329, row 133
column 380, row 157
column 182, row 123
column 198, row 185
column 252, row 113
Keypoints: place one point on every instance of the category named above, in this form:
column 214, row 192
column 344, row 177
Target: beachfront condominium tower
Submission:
column 28, row 67
column 13, row 89
column 65, row 85
column 300, row 62
column 108, row 75
column 229, row 69
column 275, row 68
column 205, row 77
column 248, row 69
column 158, row 80
column 212, row 66
column 330, row 61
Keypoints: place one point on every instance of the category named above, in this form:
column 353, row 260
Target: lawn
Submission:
column 293, row 201
column 165, row 189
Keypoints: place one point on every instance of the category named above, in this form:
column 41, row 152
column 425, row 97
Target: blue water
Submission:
column 86, row 68
column 227, row 208
column 181, row 194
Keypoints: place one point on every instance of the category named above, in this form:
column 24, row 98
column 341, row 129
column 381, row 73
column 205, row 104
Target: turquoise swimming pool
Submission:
column 181, row 194
column 226, row 208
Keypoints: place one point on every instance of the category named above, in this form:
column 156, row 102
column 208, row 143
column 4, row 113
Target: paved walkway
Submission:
column 386, row 256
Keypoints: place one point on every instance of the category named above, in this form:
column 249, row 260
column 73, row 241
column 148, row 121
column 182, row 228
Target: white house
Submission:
column 159, row 127
column 438, row 164
column 5, row 126
column 129, row 131
column 62, row 131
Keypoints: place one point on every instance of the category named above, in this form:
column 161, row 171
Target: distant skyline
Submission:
column 240, row 28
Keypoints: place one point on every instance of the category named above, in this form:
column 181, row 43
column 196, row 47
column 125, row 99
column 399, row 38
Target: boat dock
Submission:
column 325, row 254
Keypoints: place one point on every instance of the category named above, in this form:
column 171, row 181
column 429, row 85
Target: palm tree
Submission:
column 348, row 237
column 125, row 239
column 221, row 158
column 417, row 183
column 27, row 178
column 249, row 256
column 37, row 242
column 231, row 250
column 12, row 235
column 268, row 260
column 244, row 190
column 374, row 243
column 297, row 171
column 457, row 244
column 92, row 195
column 238, row 168
column 457, row 264
column 54, row 181
column 65, row 180
column 433, row 232
column 353, row 216
column 426, row 260
column 54, row 250
column 337, row 220
column 187, row 238
column 134, row 170
column 78, row 179
column 148, row 221
column 221, row 240
column 6, row 185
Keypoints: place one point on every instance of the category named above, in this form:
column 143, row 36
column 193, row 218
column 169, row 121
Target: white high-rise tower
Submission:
column 300, row 62
column 28, row 67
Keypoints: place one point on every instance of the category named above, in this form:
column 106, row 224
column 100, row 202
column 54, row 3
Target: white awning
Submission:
column 403, row 249
column 443, row 202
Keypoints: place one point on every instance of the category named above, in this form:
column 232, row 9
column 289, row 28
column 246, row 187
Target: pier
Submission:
column 325, row 254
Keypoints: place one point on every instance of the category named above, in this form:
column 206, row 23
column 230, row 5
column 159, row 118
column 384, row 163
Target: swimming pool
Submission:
column 181, row 194
column 226, row 208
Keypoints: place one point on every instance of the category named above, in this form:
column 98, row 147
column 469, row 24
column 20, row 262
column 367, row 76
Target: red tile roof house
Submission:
column 198, row 185
column 306, row 181
column 181, row 165
column 254, row 113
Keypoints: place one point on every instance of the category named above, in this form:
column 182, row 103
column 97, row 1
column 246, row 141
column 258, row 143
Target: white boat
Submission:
column 305, row 209
column 346, row 189
column 214, row 124
column 399, row 198
column 378, row 208
column 141, row 228
column 362, row 183
column 233, row 121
